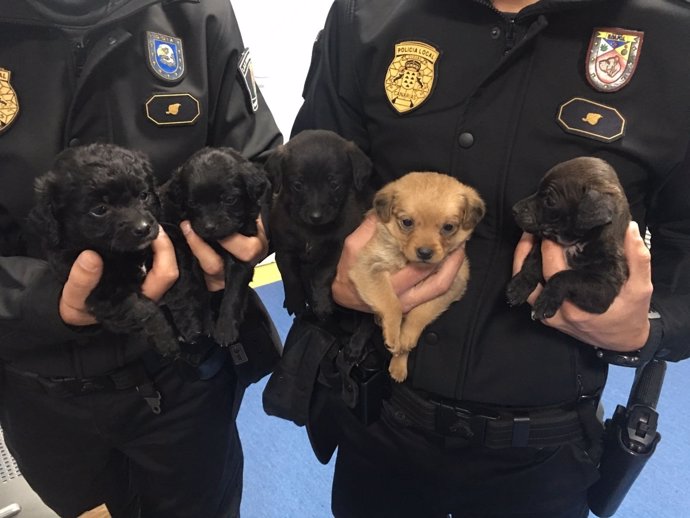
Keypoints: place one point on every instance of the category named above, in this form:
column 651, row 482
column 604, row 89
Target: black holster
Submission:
column 630, row 439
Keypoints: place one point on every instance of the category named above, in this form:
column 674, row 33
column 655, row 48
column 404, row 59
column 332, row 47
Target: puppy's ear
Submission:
column 256, row 182
column 474, row 209
column 274, row 167
column 361, row 165
column 42, row 219
column 383, row 203
column 594, row 210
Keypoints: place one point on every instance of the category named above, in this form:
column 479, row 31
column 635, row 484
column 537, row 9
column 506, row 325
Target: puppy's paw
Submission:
column 322, row 308
column 167, row 347
column 518, row 290
column 398, row 368
column 226, row 332
column 408, row 339
column 545, row 307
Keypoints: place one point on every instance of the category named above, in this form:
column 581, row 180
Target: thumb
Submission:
column 83, row 278
column 637, row 254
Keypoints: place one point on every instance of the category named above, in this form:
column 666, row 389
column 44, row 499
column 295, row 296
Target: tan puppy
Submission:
column 421, row 218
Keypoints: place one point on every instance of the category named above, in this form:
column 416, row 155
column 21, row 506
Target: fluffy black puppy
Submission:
column 220, row 193
column 101, row 197
column 11, row 235
column 320, row 196
column 581, row 205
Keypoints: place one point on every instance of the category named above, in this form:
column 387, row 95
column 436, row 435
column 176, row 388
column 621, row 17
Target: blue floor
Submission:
column 284, row 480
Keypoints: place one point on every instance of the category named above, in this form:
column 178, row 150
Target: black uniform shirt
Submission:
column 496, row 101
column 164, row 77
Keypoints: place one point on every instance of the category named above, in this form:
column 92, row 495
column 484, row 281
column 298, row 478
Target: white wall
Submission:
column 280, row 34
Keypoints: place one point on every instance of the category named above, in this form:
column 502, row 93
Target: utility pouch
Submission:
column 374, row 387
column 630, row 439
column 289, row 389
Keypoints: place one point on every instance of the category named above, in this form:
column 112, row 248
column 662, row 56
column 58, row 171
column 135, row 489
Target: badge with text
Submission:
column 165, row 56
column 9, row 104
column 410, row 76
column 612, row 58
column 173, row 109
column 590, row 119
column 247, row 70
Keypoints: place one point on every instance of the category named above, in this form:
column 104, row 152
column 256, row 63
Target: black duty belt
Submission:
column 536, row 429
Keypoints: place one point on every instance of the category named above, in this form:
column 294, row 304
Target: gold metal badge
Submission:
column 9, row 104
column 612, row 58
column 410, row 77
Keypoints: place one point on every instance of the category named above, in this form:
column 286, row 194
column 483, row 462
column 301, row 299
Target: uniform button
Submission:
column 74, row 142
column 466, row 140
column 495, row 32
column 431, row 338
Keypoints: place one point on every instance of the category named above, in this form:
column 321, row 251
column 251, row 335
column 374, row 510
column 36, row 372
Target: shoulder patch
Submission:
column 592, row 120
column 165, row 56
column 612, row 58
column 9, row 103
column 411, row 74
column 246, row 69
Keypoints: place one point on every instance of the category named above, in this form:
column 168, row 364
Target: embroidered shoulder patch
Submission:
column 410, row 77
column 612, row 58
column 592, row 120
column 247, row 71
column 165, row 56
column 9, row 104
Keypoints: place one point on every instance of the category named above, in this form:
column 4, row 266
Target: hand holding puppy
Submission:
column 87, row 270
column 413, row 285
column 624, row 326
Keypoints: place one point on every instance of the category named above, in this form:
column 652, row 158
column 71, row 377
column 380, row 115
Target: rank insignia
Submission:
column 9, row 104
column 612, row 58
column 173, row 109
column 247, row 71
column 165, row 56
column 410, row 76
column 591, row 120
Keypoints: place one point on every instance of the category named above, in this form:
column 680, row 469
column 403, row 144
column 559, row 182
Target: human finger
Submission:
column 164, row 271
column 522, row 249
column 210, row 262
column 553, row 258
column 248, row 249
column 84, row 276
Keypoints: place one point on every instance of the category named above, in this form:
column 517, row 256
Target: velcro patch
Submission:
column 173, row 109
column 592, row 120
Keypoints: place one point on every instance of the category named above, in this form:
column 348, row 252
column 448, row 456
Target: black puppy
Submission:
column 581, row 205
column 101, row 197
column 220, row 193
column 320, row 196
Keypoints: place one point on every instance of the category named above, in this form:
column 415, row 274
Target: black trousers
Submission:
column 386, row 470
column 79, row 452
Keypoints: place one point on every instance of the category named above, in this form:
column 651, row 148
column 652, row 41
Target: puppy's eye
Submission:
column 448, row 228
column 296, row 186
column 549, row 202
column 144, row 195
column 99, row 210
column 407, row 223
column 335, row 186
column 230, row 202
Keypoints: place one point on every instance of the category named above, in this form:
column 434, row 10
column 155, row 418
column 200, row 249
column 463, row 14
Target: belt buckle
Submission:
column 454, row 421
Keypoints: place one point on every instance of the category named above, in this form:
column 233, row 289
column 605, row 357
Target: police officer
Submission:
column 91, row 417
column 497, row 417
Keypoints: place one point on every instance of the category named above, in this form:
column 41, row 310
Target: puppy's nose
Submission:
column 209, row 228
column 142, row 228
column 316, row 216
column 425, row 253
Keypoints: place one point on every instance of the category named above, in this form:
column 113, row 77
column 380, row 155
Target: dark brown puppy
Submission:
column 221, row 193
column 320, row 196
column 11, row 235
column 581, row 205
column 101, row 197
